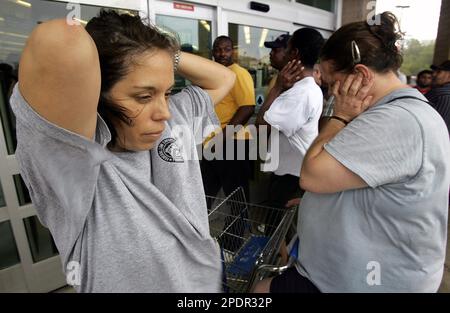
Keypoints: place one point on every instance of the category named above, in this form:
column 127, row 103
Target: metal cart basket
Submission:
column 249, row 236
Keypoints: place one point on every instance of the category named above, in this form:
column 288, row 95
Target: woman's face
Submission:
column 144, row 92
column 329, row 76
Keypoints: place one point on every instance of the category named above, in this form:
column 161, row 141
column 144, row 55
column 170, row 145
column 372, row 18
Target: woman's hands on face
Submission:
column 351, row 97
column 289, row 75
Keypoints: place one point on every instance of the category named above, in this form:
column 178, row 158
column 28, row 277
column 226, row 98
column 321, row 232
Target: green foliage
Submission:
column 417, row 56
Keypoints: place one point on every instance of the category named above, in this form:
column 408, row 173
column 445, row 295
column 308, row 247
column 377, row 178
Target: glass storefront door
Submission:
column 193, row 25
column 194, row 36
column 29, row 260
column 251, row 54
column 249, row 32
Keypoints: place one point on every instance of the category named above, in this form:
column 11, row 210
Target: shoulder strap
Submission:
column 410, row 97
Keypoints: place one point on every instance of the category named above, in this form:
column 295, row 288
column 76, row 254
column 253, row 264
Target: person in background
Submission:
column 424, row 81
column 277, row 56
column 317, row 75
column 375, row 213
column 328, row 99
column 439, row 96
column 234, row 110
column 294, row 111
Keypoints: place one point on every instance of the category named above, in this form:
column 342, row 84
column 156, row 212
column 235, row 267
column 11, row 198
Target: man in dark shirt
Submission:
column 424, row 81
column 439, row 96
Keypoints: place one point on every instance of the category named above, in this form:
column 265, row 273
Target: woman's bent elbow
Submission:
column 303, row 184
column 310, row 184
column 227, row 80
column 230, row 79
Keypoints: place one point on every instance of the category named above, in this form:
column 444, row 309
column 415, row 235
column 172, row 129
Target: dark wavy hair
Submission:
column 223, row 38
column 421, row 73
column 119, row 39
column 377, row 44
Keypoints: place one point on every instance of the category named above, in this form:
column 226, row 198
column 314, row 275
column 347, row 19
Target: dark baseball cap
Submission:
column 443, row 67
column 280, row 42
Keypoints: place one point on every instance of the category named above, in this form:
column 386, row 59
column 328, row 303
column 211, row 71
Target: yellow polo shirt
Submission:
column 242, row 94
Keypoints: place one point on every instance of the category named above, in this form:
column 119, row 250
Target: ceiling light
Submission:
column 264, row 33
column 11, row 49
column 24, row 3
column 206, row 25
column 80, row 21
column 247, row 35
column 13, row 34
column 12, row 43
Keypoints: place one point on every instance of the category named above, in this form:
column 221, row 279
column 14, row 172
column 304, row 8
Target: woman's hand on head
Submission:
column 352, row 97
column 289, row 75
column 216, row 79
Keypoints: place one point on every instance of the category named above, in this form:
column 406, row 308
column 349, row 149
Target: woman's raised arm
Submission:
column 59, row 76
column 215, row 79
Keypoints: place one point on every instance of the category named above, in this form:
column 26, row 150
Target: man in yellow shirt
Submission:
column 239, row 105
column 235, row 109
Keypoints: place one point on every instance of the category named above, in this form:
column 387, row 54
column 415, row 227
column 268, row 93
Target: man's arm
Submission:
column 215, row 79
column 242, row 115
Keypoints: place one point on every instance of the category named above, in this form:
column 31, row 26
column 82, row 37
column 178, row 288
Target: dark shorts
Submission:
column 292, row 282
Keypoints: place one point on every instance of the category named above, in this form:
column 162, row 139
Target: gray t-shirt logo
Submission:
column 169, row 151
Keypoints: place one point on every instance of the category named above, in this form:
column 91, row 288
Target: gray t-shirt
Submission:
column 133, row 221
column 391, row 236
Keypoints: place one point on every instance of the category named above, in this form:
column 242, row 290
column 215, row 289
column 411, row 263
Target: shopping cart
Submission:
column 249, row 245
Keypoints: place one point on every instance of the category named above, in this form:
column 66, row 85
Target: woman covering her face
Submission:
column 374, row 217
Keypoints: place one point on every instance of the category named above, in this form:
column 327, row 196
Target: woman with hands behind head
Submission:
column 101, row 157
column 374, row 217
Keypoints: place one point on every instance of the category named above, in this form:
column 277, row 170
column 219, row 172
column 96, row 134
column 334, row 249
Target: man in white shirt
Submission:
column 277, row 56
column 293, row 108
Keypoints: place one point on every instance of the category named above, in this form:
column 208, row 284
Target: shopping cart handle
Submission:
column 274, row 268
column 294, row 251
